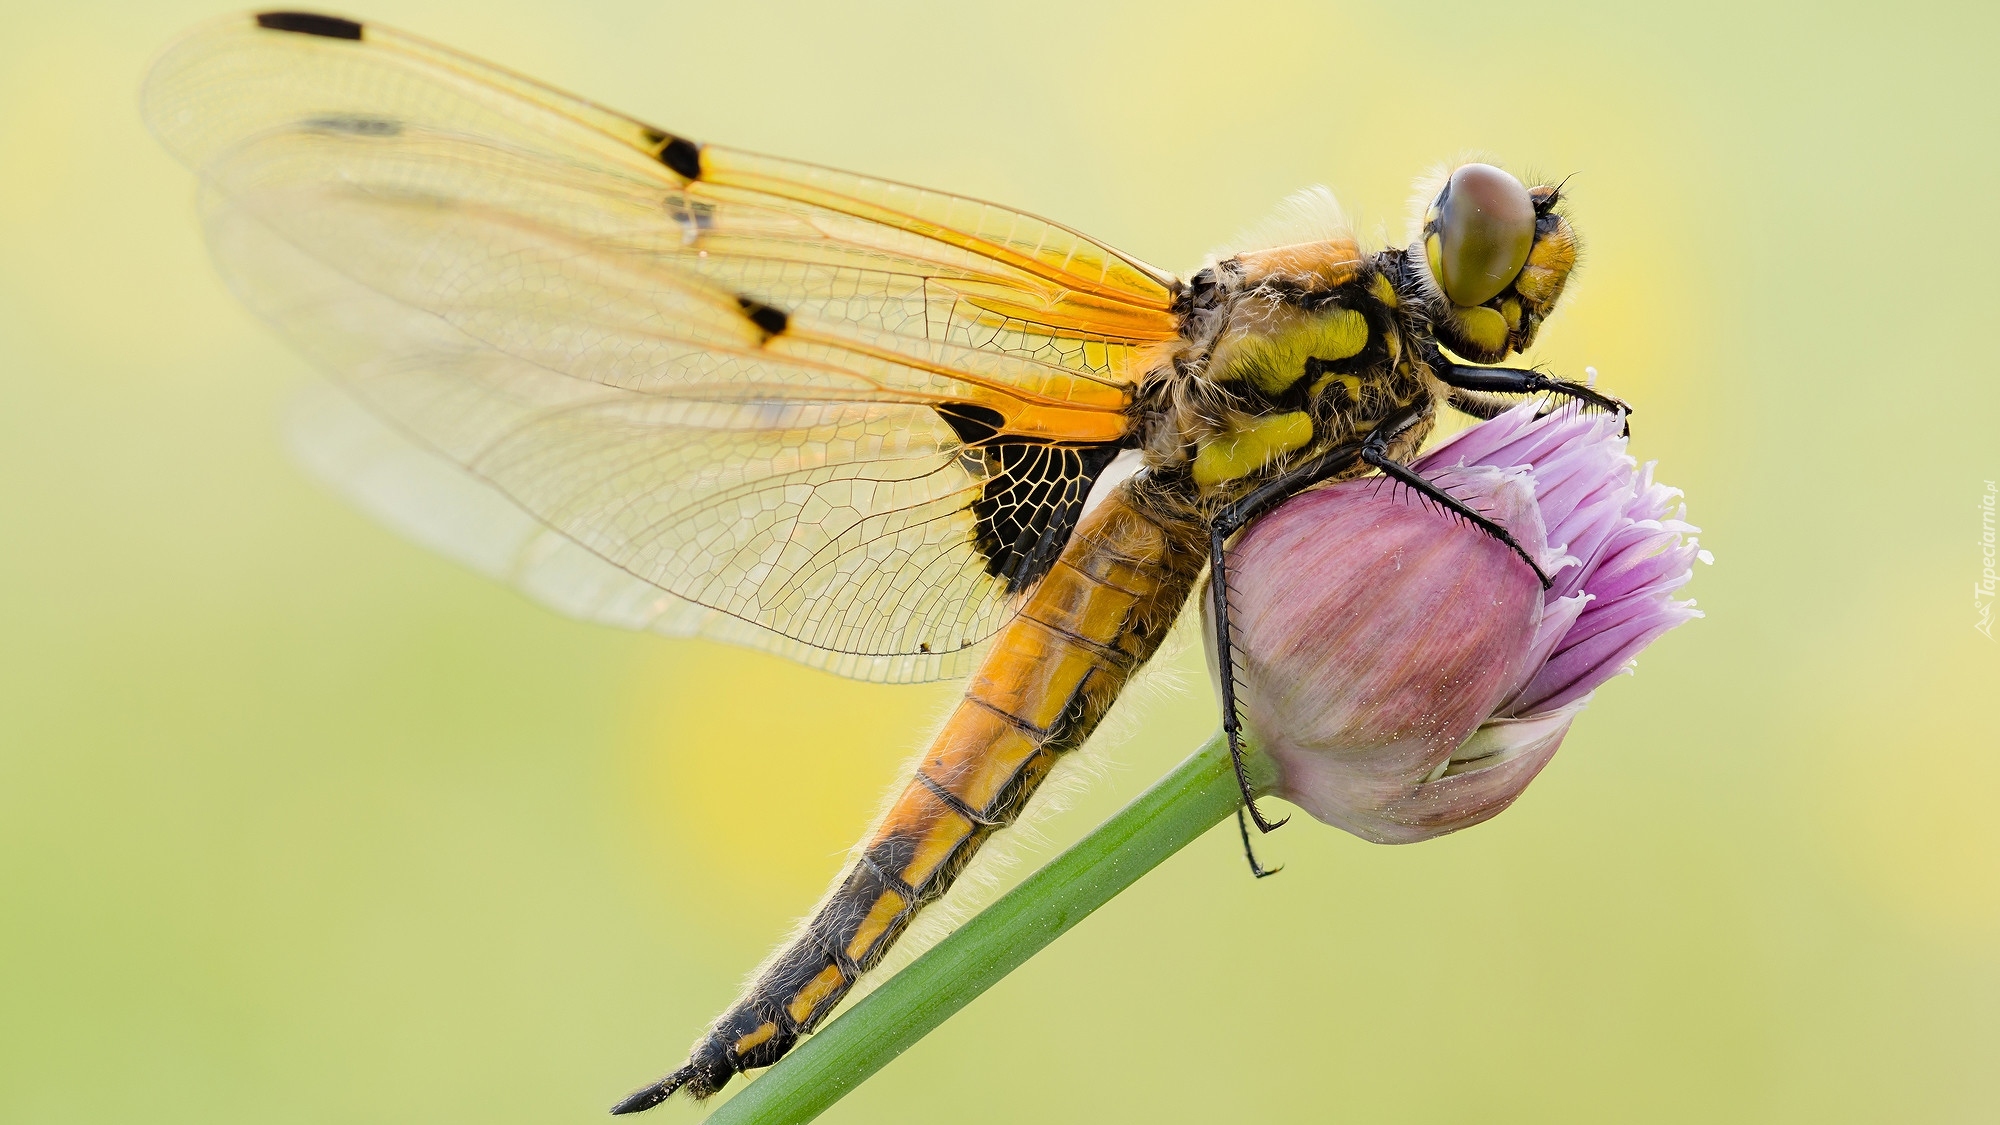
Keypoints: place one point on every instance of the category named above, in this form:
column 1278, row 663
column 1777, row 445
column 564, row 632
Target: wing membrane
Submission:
column 841, row 526
column 713, row 373
column 436, row 503
column 234, row 83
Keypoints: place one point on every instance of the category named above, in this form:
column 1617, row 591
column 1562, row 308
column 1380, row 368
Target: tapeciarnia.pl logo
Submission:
column 1983, row 590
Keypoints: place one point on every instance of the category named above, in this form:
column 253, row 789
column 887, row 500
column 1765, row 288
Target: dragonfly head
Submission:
column 1494, row 255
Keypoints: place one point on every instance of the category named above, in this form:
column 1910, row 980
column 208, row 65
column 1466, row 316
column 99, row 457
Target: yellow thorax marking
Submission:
column 1351, row 382
column 1273, row 362
column 1383, row 291
column 1243, row 451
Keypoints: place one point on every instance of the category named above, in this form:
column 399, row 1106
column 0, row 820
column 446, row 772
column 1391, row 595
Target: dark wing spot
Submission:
column 772, row 321
column 683, row 156
column 693, row 216
column 309, row 23
column 355, row 126
column 972, row 424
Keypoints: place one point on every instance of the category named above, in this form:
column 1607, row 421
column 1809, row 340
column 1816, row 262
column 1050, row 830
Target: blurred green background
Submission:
column 299, row 823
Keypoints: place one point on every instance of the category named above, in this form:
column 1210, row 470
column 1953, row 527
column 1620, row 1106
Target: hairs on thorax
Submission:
column 1308, row 215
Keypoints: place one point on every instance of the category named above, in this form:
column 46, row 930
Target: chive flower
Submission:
column 1405, row 672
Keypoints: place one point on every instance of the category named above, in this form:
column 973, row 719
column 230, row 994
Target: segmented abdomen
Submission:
column 1052, row 673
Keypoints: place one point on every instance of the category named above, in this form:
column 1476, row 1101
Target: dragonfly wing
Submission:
column 875, row 263
column 436, row 503
column 839, row 532
column 847, row 420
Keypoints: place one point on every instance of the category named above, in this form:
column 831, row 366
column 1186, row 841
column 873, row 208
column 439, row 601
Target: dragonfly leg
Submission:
column 1230, row 520
column 1472, row 385
column 1249, row 853
column 1232, row 721
column 1373, row 453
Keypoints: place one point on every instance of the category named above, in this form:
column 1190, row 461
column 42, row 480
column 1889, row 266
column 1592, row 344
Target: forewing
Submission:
column 872, row 263
column 720, row 379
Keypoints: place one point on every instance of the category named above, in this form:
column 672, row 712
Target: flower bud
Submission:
column 1404, row 670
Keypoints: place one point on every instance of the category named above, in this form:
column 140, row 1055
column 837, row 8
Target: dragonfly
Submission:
column 850, row 421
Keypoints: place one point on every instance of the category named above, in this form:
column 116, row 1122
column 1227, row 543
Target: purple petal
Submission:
column 1475, row 446
column 1627, row 543
column 1557, row 618
column 1578, row 671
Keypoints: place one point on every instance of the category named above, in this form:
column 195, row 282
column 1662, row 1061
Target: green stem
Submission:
column 1197, row 795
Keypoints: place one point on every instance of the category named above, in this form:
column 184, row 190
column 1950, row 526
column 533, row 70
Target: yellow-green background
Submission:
column 300, row 824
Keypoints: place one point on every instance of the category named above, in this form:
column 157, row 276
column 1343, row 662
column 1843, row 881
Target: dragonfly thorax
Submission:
column 1288, row 352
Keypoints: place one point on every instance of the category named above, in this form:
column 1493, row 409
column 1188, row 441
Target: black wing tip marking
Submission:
column 310, row 23
column 772, row 321
column 680, row 155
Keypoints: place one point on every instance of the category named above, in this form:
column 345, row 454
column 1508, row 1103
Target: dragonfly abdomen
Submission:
column 1050, row 676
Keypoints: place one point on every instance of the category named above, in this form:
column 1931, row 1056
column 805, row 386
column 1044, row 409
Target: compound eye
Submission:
column 1484, row 229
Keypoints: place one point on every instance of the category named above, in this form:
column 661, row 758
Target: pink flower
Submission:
column 1404, row 671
